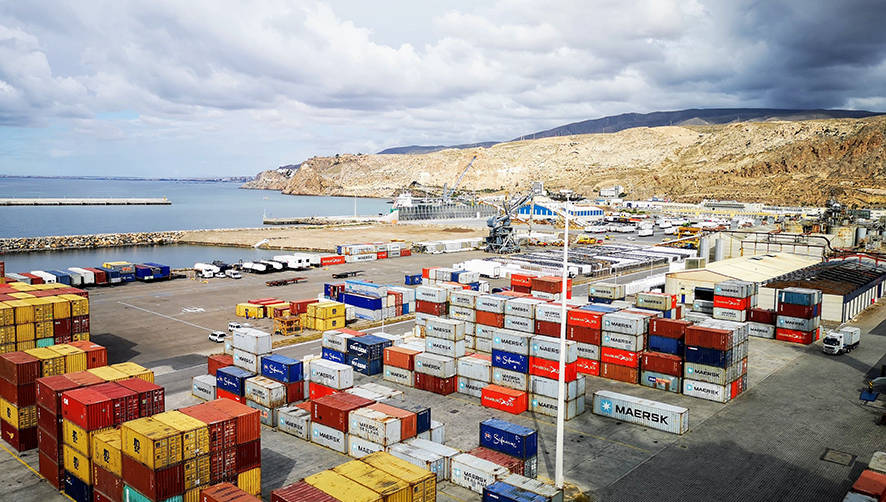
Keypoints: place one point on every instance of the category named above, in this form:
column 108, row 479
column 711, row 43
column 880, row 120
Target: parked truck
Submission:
column 841, row 341
column 205, row 270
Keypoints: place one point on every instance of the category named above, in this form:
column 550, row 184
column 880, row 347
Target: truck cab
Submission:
column 233, row 274
column 841, row 341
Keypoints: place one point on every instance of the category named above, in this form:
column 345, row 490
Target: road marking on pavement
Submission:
column 192, row 309
column 22, row 461
column 167, row 317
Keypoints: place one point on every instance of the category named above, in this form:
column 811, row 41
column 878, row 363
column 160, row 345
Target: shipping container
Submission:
column 300, row 492
column 341, row 487
column 88, row 409
column 331, row 374
column 96, row 355
column 248, row 424
column 106, row 450
column 151, row 442
column 400, row 357
column 106, row 484
column 435, row 365
column 422, row 483
column 643, row 412
column 76, row 489
column 266, row 392
column 131, row 369
column 376, row 426
column 550, row 386
column 510, row 361
column 155, row 484
column 295, row 421
column 475, row 473
column 389, row 488
column 408, row 419
column 435, row 384
column 619, row 372
column 194, row 433
column 332, row 411
column 281, row 368
column 329, row 437
column 226, row 492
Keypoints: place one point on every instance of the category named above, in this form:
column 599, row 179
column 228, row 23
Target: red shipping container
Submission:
column 80, row 325
column 155, row 485
column 248, row 455
column 223, row 394
column 223, row 465
column 217, row 361
column 300, row 492
column 668, row 328
column 587, row 366
column 19, row 395
column 737, row 386
column 316, row 390
column 620, row 357
column 437, row 385
column 763, row 316
column 726, row 302
column 620, row 373
column 226, row 492
column 295, row 391
column 125, row 401
column 96, row 355
column 49, row 445
column 381, row 255
column 305, row 406
column 521, row 280
column 792, row 335
column 98, row 496
column 88, row 409
column 490, row 319
column 408, row 419
column 551, row 369
column 332, row 260
column 301, row 306
column 84, row 378
column 222, row 426
column 581, row 334
column 504, row 399
column 712, row 338
column 19, row 368
column 547, row 328
column 35, row 279
column 63, row 339
column 430, row 308
column 61, row 327
column 332, row 411
column 248, row 419
column 52, row 471
column 669, row 364
column 400, row 357
column 50, row 422
column 405, row 252
column 151, row 397
column 550, row 284
column 525, row 290
column 871, row 483
column 513, row 464
column 20, row 439
column 802, row 311
column 107, row 483
column 584, row 318
column 426, row 272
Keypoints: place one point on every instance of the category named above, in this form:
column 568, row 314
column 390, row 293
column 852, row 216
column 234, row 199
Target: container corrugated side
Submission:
column 643, row 412
column 475, row 473
column 390, row 488
column 422, row 482
column 195, row 434
column 342, row 488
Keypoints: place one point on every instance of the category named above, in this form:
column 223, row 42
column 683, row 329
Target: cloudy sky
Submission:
column 202, row 88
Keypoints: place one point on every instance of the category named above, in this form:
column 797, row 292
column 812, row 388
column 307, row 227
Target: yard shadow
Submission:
column 275, row 469
column 120, row 350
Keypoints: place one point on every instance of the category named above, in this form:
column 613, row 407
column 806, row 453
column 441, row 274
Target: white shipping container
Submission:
column 625, row 323
column 266, row 392
column 336, row 340
column 375, row 426
column 734, row 288
column 431, row 294
column 588, row 351
column 398, row 375
column 761, row 330
column 438, row 432
column 203, row 386
column 512, row 341
column 484, row 331
column 448, row 329
column 382, row 390
column 462, row 313
column 643, row 412
column 798, row 323
column 633, row 343
column 545, row 295
column 354, row 258
column 359, row 447
column 474, row 368
column 463, row 298
column 365, row 393
column 706, row 390
column 247, row 361
column 546, row 347
column 445, row 347
column 421, row 319
column 518, row 323
column 438, row 449
column 295, row 421
column 471, row 387
column 605, row 290
column 550, row 387
column 491, row 303
column 522, row 307
column 331, row 438
column 435, row 365
column 548, row 312
column 713, row 374
column 654, row 301
column 422, row 458
column 469, row 343
column 483, row 345
column 252, row 340
column 474, row 473
column 332, row 374
column 730, row 314
column 510, row 379
column 546, row 405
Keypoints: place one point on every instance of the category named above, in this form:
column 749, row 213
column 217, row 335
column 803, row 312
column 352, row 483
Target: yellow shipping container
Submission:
column 422, row 482
column 22, row 296
column 42, row 308
column 197, row 471
column 106, row 451
column 191, row 495
column 306, row 321
column 134, row 370
column 337, row 486
column 21, row 286
column 25, row 332
column 44, row 329
column 391, row 488
column 79, row 304
column 7, row 334
column 51, row 362
column 77, row 464
column 250, row 310
column 329, row 323
column 20, row 418
column 250, row 481
column 23, row 312
column 108, row 374
column 77, row 438
column 25, row 345
column 7, row 347
column 81, row 337
column 152, row 443
column 325, row 310
column 75, row 359
column 7, row 314
column 61, row 308
column 195, row 434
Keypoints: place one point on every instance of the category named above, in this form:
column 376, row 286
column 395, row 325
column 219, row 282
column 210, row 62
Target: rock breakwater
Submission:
column 59, row 242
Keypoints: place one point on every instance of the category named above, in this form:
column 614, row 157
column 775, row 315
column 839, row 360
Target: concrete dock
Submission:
column 85, row 202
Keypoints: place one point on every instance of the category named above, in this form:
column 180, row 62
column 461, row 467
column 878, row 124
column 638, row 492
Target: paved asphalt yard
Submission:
column 766, row 445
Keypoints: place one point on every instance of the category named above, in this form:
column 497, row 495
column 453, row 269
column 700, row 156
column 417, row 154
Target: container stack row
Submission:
column 41, row 315
column 799, row 315
column 370, row 301
column 114, row 272
column 372, row 251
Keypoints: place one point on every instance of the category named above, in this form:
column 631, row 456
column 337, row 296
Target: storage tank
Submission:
column 704, row 247
column 719, row 249
column 860, row 234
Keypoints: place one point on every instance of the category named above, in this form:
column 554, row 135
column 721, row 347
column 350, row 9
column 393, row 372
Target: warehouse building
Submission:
column 551, row 209
column 848, row 286
column 758, row 268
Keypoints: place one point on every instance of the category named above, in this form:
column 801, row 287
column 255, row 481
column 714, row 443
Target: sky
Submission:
column 220, row 88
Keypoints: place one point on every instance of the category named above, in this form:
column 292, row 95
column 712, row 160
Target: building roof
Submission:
column 699, row 274
column 839, row 277
column 758, row 268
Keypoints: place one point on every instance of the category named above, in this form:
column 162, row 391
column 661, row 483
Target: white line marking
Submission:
column 167, row 317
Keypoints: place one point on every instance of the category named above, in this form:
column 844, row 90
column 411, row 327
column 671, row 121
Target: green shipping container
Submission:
column 45, row 342
column 132, row 495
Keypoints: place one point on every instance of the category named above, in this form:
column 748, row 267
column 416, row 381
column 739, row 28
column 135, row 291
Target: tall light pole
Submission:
column 561, row 376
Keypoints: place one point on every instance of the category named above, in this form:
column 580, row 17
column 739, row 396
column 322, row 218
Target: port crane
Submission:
column 447, row 192
column 501, row 233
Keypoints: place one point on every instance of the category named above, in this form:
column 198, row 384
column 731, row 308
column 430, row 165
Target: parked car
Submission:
column 218, row 336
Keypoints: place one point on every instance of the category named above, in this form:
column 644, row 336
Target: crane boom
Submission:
column 447, row 194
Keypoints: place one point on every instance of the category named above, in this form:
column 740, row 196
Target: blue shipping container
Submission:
column 61, row 277
column 405, row 308
column 368, row 346
column 334, row 356
column 365, row 366
column 453, row 276
column 795, row 297
column 163, row 269
column 76, row 489
column 666, row 345
column 281, row 368
column 596, row 307
column 362, row 301
column 710, row 357
column 595, row 299
column 503, row 492
column 232, row 379
column 511, row 439
column 510, row 361
column 475, row 286
column 422, row 416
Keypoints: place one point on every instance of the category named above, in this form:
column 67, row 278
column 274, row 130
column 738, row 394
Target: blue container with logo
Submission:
column 422, row 416
column 511, row 439
column 335, row 356
column 76, row 489
column 281, row 368
column 503, row 492
column 362, row 301
column 365, row 366
column 710, row 357
column 597, row 299
column 510, row 361
column 232, row 379
column 665, row 344
column 368, row 346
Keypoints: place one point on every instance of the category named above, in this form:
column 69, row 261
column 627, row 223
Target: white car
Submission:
column 234, row 325
column 218, row 336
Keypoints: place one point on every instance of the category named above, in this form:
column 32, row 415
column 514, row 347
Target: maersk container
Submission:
column 510, row 379
column 333, row 439
column 445, row 348
column 628, row 324
column 332, row 374
column 281, row 368
column 607, row 291
column 471, row 387
column 550, row 387
column 266, row 392
column 252, row 340
column 548, row 493
column 761, row 330
column 369, row 347
column 661, row 381
column 232, row 379
column 474, row 473
column 549, row 348
column 517, row 323
column 398, row 375
column 334, row 355
column 359, row 447
column 203, row 386
column 652, row 414
column 730, row 314
column 510, row 361
column 588, row 351
column 549, row 312
column 734, row 288
column 431, row 294
column 512, row 341
column 713, row 374
column 633, row 343
column 798, row 323
column 336, row 340
column 511, row 439
column 375, row 426
column 463, row 298
column 435, row 365
column 421, row 458
column 294, row 420
column 449, row 329
column 246, row 360
column 365, row 366
column 706, row 390
column 474, row 368
column 800, row 296
column 522, row 307
column 491, row 303
column 438, row 449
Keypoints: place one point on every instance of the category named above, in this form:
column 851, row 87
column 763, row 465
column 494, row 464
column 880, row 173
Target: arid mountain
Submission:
column 778, row 162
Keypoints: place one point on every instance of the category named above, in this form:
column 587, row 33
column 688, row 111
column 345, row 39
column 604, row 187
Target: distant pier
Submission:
column 85, row 202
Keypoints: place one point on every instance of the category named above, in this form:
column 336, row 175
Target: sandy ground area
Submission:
column 325, row 239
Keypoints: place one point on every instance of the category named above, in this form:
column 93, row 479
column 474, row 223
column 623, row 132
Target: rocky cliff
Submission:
column 775, row 162
column 267, row 180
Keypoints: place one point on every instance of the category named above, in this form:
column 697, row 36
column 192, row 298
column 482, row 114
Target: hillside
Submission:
column 776, row 162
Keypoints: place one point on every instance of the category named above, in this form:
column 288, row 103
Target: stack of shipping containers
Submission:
column 799, row 315
column 41, row 315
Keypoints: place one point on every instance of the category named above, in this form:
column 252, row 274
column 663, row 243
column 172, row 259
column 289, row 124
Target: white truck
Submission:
column 841, row 341
column 206, row 270
column 644, row 232
column 233, row 274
